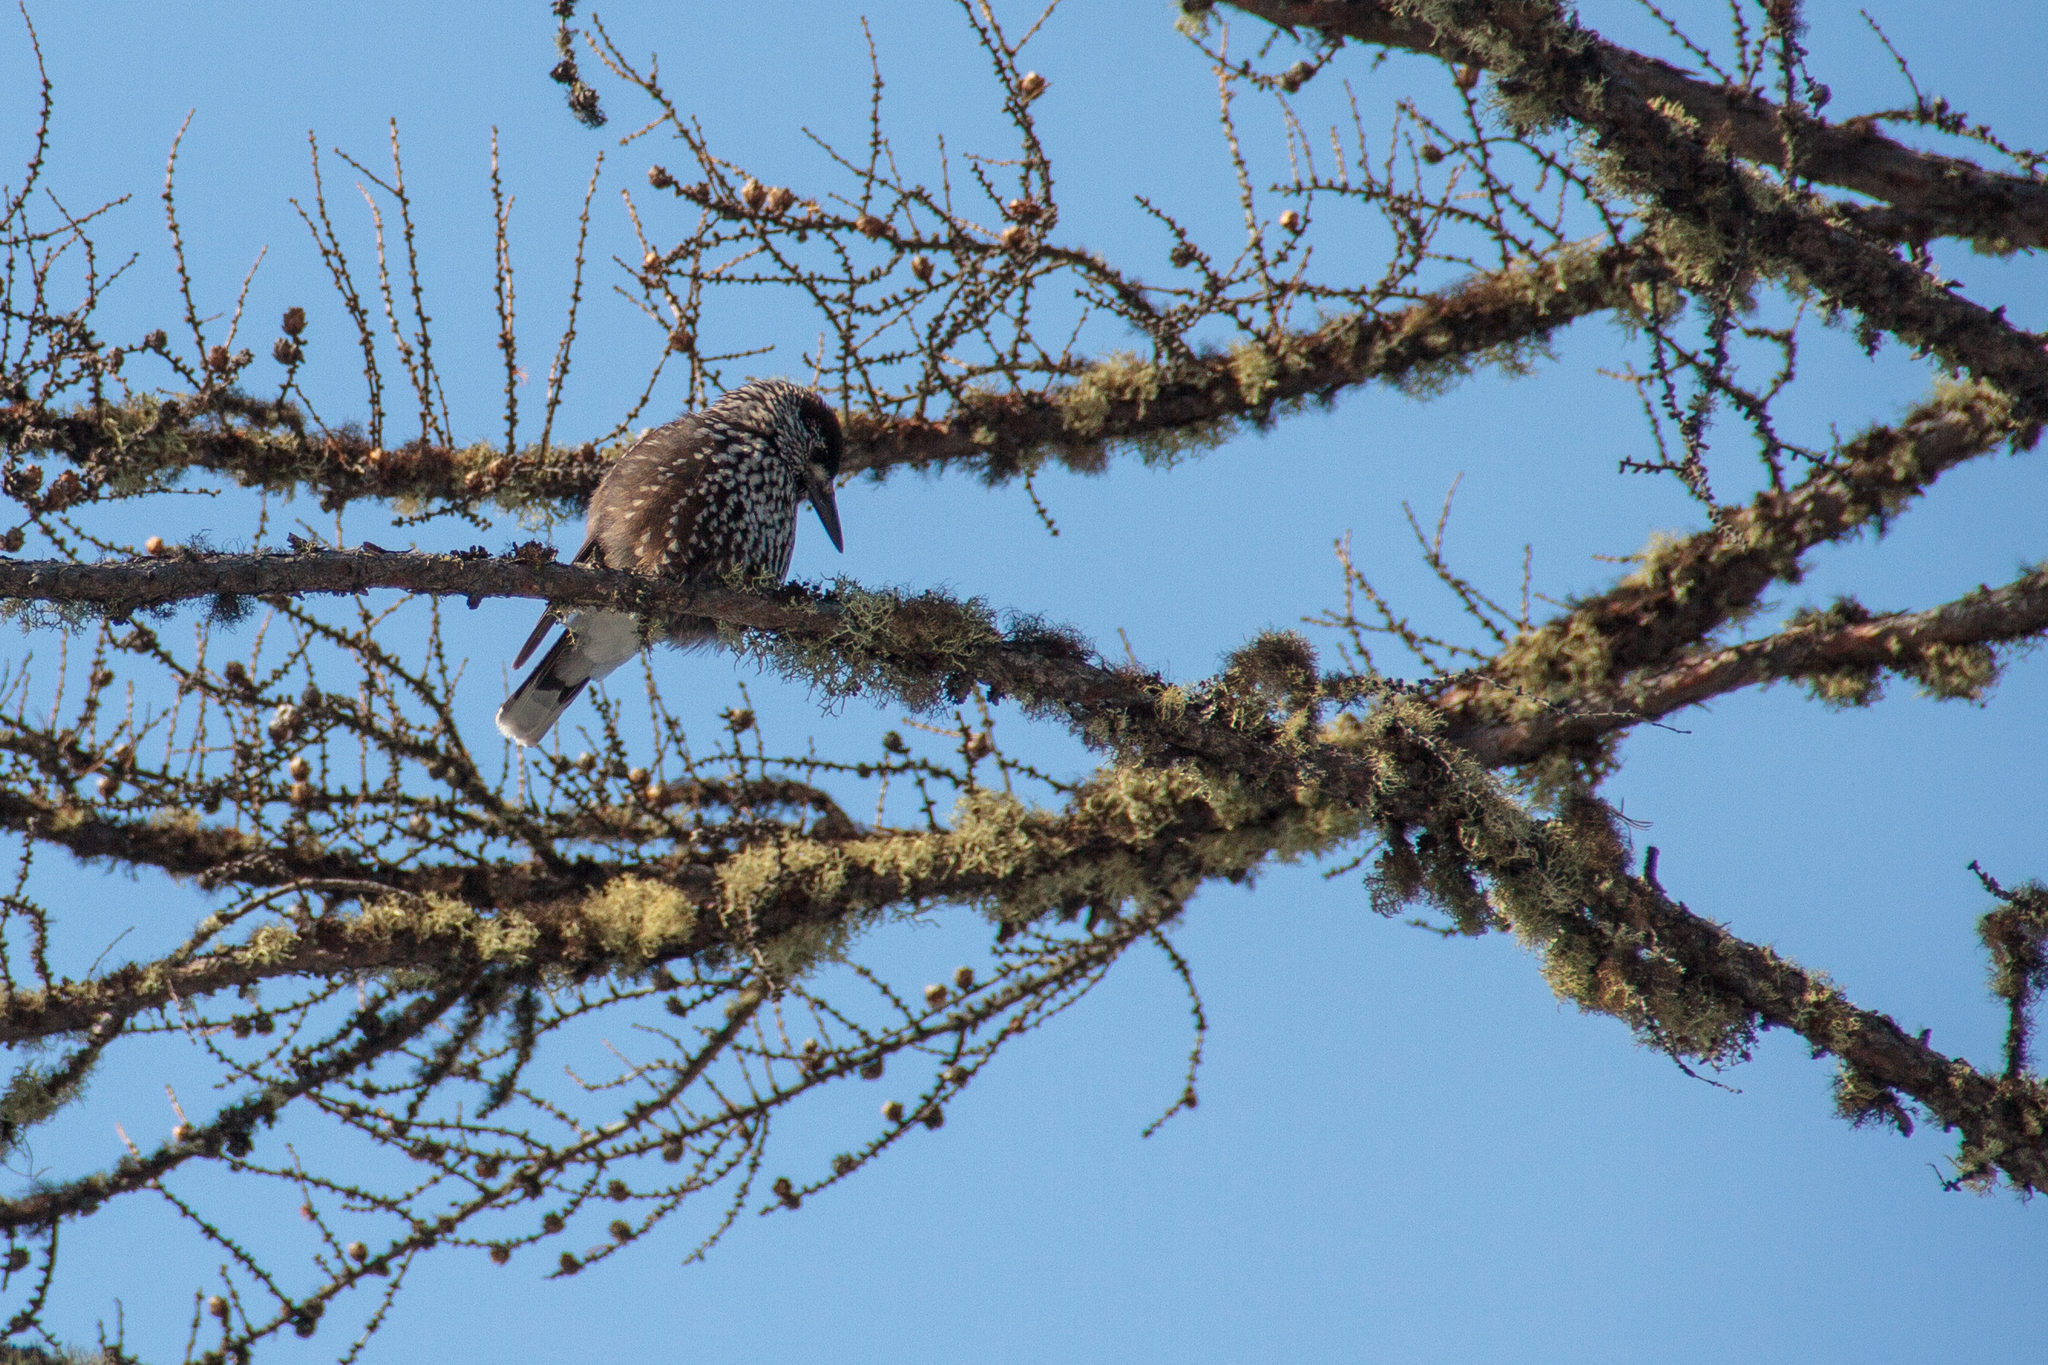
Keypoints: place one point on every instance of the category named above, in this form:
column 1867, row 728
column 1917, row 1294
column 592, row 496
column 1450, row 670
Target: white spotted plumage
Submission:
column 709, row 495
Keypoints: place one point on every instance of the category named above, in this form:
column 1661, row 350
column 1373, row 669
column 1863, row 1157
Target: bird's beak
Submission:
column 822, row 501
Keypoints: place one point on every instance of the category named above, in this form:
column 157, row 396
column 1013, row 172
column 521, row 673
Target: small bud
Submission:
column 672, row 1151
column 651, row 261
column 963, row 978
column 1468, row 76
column 182, row 1133
column 740, row 721
column 500, row 1255
column 1292, row 221
column 218, row 1306
column 217, row 360
column 108, row 785
column 586, row 762
column 659, row 177
column 680, row 340
column 154, row 546
column 843, row 1164
column 299, row 768
column 621, row 1230
column 284, row 722
column 786, row 1192
column 935, row 995
column 419, row 827
column 1023, row 210
column 656, row 794
column 979, row 746
column 294, row 321
column 1015, row 237
column 893, row 743
column 551, row 1223
column 17, row 1259
column 569, row 1263
column 867, row 225
column 156, row 340
column 300, row 794
column 892, row 1110
column 955, row 1075
column 13, row 540
column 871, row 1070
column 933, row 1117
column 1182, row 254
column 310, row 697
column 636, row 776
column 753, row 194
column 285, row 351
column 358, row 1253
column 1432, row 153
column 921, row 266
column 1031, row 86
column 779, row 200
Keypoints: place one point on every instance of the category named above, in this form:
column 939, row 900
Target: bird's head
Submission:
column 821, row 439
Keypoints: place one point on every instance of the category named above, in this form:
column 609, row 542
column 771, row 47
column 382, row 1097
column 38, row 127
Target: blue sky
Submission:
column 1406, row 1149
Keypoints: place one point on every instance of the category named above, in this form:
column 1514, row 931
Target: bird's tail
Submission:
column 593, row 646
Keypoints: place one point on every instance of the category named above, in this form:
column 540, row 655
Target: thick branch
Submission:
column 1215, row 781
column 998, row 436
column 1553, row 69
column 1687, row 590
column 1931, row 195
column 1944, row 647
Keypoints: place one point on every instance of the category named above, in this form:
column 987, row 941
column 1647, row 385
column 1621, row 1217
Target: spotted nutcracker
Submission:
column 711, row 493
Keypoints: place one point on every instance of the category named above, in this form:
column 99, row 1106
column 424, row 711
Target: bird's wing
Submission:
column 651, row 502
column 588, row 553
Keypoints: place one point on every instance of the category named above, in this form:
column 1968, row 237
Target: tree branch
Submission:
column 1931, row 195
column 1216, row 779
column 1945, row 648
column 1552, row 69
column 998, row 436
column 1687, row 590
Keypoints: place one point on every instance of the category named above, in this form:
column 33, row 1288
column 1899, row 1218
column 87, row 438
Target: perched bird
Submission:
column 711, row 493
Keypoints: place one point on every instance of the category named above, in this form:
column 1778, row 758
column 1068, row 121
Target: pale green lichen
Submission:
column 637, row 920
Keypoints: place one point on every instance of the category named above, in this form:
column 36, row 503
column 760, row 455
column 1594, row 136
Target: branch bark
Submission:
column 997, row 436
column 1943, row 647
column 1656, row 622
column 1931, row 195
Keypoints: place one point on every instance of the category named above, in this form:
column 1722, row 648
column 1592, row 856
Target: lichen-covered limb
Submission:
column 1152, row 836
column 2003, row 1119
column 1841, row 654
column 1266, row 788
column 1930, row 195
column 1116, row 402
column 1142, row 405
column 1657, row 619
column 1552, row 69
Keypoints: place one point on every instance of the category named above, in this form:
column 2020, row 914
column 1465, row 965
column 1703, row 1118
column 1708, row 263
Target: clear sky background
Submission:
column 1406, row 1149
